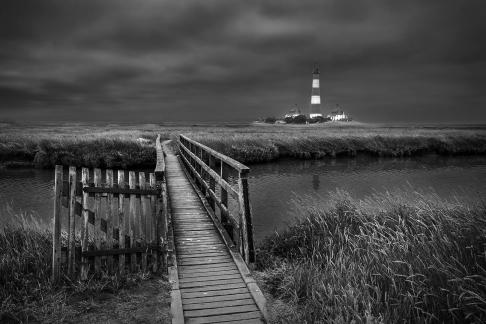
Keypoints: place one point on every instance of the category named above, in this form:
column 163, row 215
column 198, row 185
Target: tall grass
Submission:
column 118, row 146
column 379, row 261
column 26, row 290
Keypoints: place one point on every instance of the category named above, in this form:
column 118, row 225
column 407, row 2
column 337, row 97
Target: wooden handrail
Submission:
column 160, row 166
column 201, row 162
column 229, row 161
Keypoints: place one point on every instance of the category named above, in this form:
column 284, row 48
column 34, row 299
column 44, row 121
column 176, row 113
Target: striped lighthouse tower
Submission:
column 315, row 110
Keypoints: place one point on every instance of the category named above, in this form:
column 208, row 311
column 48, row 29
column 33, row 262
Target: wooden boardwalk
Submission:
column 214, row 283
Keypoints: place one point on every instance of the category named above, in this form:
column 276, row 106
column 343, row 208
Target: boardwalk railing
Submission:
column 111, row 225
column 224, row 182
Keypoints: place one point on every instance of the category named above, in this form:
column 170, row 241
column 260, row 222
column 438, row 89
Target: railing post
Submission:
column 246, row 221
column 212, row 182
column 56, row 224
column 224, row 201
column 161, row 203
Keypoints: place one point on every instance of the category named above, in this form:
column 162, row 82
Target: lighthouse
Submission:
column 315, row 110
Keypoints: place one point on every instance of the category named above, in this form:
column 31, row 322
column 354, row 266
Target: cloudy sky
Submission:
column 156, row 61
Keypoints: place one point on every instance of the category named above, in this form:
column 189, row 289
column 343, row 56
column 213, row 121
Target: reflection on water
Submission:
column 273, row 185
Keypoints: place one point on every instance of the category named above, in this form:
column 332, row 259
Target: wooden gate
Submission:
column 112, row 225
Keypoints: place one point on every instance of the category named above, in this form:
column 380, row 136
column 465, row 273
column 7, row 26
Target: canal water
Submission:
column 274, row 186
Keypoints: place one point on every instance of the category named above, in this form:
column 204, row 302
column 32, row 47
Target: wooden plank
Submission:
column 85, row 225
column 160, row 166
column 245, row 321
column 211, row 299
column 219, row 304
column 212, row 278
column 97, row 225
column 206, row 267
column 143, row 218
column 220, row 292
column 153, row 223
column 198, row 250
column 119, row 191
column 204, row 261
column 220, row 311
column 133, row 220
column 209, row 284
column 109, row 219
column 235, row 318
column 201, row 274
column 56, row 231
column 122, row 223
column 216, row 287
column 71, row 221
column 246, row 221
column 186, row 255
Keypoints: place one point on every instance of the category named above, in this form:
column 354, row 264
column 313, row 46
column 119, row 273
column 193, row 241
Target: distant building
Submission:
column 294, row 112
column 338, row 115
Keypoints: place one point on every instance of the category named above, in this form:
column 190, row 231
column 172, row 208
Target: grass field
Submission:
column 28, row 295
column 379, row 260
column 118, row 146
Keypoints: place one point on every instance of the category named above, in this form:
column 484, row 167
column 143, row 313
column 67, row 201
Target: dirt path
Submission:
column 147, row 303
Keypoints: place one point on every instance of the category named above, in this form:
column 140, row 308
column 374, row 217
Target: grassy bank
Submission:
column 318, row 141
column 28, row 295
column 132, row 146
column 379, row 261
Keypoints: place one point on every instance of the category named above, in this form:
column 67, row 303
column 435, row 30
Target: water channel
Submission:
column 273, row 186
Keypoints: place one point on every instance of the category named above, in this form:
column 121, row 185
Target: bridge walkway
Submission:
column 211, row 284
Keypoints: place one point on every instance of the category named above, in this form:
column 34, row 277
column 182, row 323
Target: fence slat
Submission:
column 85, row 225
column 132, row 229
column 72, row 221
column 153, row 223
column 143, row 217
column 122, row 222
column 56, row 223
column 109, row 220
column 97, row 225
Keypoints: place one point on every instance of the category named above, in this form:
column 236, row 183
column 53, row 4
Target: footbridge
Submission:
column 209, row 235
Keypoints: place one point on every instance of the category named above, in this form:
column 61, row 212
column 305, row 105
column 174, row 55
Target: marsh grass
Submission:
column 118, row 146
column 26, row 291
column 379, row 260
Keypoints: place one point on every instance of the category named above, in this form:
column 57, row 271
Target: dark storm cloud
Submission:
column 224, row 60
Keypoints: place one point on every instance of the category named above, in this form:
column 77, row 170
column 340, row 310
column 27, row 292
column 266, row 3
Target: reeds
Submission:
column 26, row 291
column 117, row 146
column 380, row 261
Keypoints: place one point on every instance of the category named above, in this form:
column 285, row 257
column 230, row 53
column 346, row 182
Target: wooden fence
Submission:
column 111, row 225
column 211, row 170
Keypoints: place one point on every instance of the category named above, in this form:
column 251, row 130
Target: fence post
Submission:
column 97, row 221
column 143, row 218
column 161, row 203
column 85, row 225
column 246, row 222
column 56, row 223
column 72, row 221
column 122, row 223
column 109, row 220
